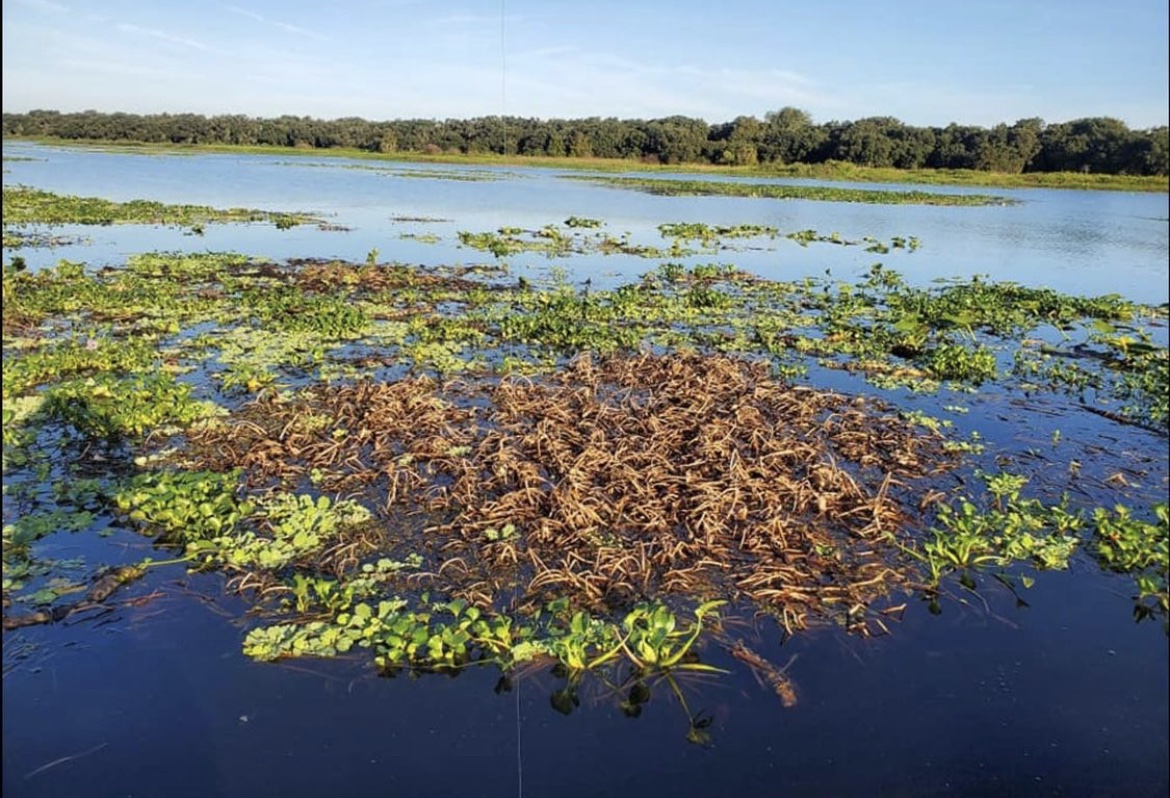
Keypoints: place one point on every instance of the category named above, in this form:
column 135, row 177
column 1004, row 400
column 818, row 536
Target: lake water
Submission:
column 1082, row 242
column 1064, row 695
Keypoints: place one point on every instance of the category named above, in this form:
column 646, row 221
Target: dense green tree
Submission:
column 789, row 136
column 676, row 139
column 1096, row 144
column 737, row 143
column 868, row 142
column 1150, row 152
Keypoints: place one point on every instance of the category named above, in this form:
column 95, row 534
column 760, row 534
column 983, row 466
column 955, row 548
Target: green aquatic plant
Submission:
column 957, row 362
column 286, row 333
column 110, row 407
column 581, row 221
column 652, row 637
column 25, row 205
column 71, row 358
column 711, row 235
column 290, row 310
column 1141, row 548
column 454, row 634
column 682, row 188
column 288, row 527
column 584, row 642
column 1019, row 530
column 202, row 511
column 443, row 635
column 31, row 527
column 184, row 506
column 20, row 421
column 967, row 538
column 184, row 267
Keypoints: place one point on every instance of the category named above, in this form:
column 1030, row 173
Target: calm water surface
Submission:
column 1083, row 242
column 1065, row 695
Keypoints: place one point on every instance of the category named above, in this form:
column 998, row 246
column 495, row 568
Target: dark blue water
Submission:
column 1059, row 698
column 1066, row 696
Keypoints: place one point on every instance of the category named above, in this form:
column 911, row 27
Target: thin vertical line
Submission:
column 519, row 760
column 503, row 65
column 503, row 82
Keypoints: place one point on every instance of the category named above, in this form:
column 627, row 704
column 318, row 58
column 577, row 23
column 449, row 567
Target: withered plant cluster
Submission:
column 611, row 481
column 328, row 276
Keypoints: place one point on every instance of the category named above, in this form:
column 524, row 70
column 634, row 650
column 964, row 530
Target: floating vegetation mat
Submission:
column 24, row 205
column 620, row 481
column 728, row 188
column 447, row 466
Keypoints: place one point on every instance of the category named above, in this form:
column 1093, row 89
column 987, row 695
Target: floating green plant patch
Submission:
column 189, row 267
column 806, row 237
column 967, row 538
column 663, row 454
column 106, row 407
column 684, row 188
column 291, row 527
column 55, row 361
column 31, row 527
column 507, row 241
column 19, row 414
column 17, row 239
column 706, row 233
column 583, row 221
column 446, row 174
column 67, row 292
column 553, row 241
column 288, row 310
column 183, row 506
column 25, row 205
column 1131, row 545
column 420, row 219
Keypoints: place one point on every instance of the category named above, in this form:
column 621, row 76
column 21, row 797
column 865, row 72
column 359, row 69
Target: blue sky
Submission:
column 927, row 63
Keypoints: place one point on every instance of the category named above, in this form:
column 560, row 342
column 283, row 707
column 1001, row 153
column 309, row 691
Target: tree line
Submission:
column 1100, row 145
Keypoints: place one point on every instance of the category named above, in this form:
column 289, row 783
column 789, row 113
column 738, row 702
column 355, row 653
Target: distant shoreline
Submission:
column 833, row 171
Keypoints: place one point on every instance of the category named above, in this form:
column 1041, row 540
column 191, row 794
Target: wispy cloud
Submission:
column 126, row 27
column 245, row 13
column 299, row 31
column 287, row 27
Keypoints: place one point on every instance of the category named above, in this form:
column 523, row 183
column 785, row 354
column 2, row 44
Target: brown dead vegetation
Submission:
column 627, row 478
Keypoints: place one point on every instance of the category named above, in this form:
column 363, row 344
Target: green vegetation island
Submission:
column 1090, row 153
